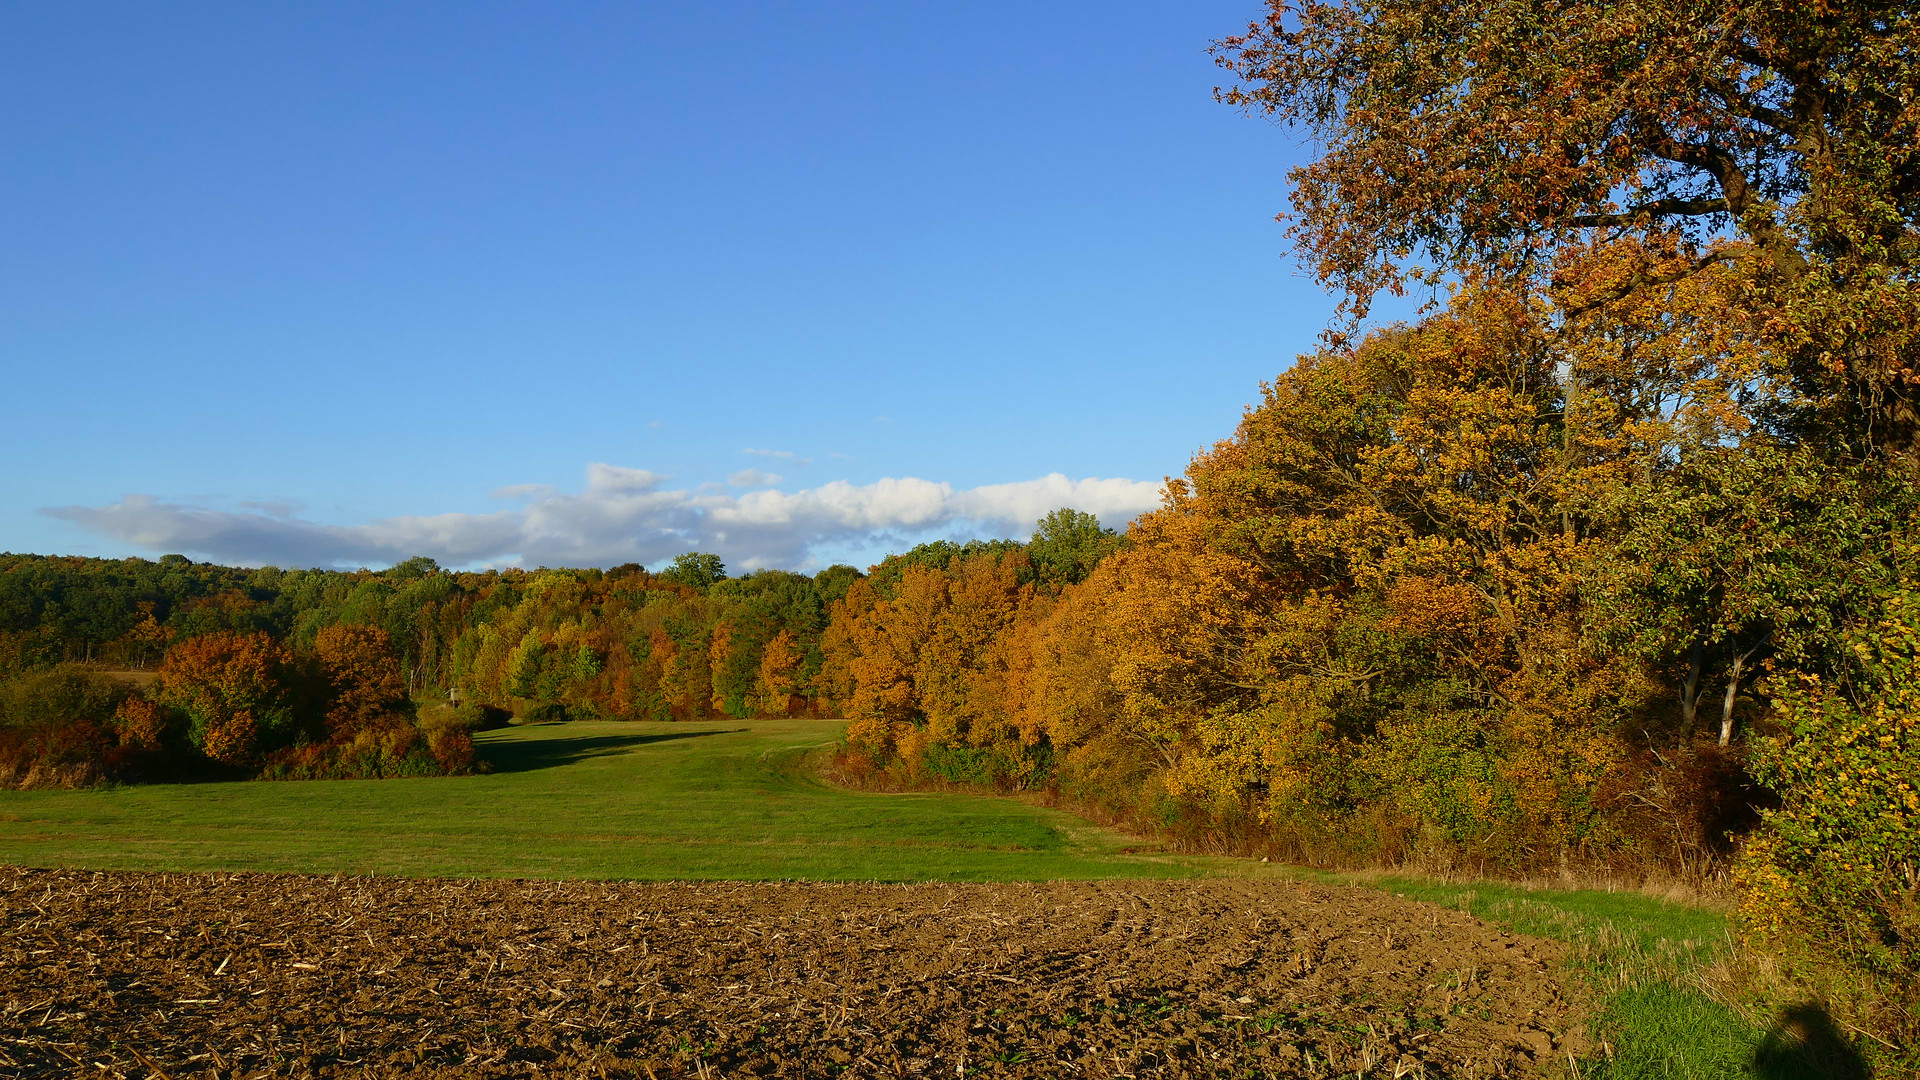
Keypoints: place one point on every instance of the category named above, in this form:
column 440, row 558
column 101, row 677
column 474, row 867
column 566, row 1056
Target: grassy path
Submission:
column 644, row 801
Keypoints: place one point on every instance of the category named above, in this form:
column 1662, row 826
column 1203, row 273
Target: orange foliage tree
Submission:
column 925, row 656
column 236, row 692
column 365, row 687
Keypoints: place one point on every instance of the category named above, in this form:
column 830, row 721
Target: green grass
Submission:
column 1640, row 957
column 725, row 800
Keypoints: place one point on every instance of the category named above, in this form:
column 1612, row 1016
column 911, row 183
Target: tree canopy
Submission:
column 1515, row 138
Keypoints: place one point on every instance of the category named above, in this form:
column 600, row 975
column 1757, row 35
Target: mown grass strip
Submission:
column 1646, row 961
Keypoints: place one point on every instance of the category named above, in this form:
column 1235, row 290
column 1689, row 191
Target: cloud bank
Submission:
column 623, row 515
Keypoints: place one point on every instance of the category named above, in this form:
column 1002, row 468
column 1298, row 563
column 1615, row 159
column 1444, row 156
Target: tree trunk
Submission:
column 1690, row 690
column 1733, row 690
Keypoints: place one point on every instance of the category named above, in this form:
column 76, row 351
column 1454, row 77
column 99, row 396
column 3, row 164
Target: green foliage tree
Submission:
column 1067, row 544
column 695, row 570
column 1739, row 555
column 934, row 555
column 832, row 583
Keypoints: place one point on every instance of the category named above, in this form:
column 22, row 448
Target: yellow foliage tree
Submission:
column 777, row 684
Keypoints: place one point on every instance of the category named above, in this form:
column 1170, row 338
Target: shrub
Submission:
column 1835, row 871
column 547, row 712
column 473, row 716
column 54, row 755
column 1004, row 766
column 59, row 727
column 58, row 695
column 396, row 750
column 454, row 751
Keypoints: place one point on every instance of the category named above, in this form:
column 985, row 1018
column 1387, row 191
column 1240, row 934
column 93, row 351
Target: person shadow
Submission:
column 1805, row 1045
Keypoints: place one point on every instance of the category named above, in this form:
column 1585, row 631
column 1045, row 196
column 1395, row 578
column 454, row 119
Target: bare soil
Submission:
column 235, row 975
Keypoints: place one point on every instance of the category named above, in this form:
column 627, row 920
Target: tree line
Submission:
column 250, row 666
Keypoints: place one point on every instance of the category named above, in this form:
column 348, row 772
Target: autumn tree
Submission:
column 920, row 651
column 366, row 690
column 873, row 651
column 147, row 635
column 719, row 652
column 1499, row 138
column 236, row 690
column 1366, row 604
column 960, row 681
column 777, row 683
column 667, row 664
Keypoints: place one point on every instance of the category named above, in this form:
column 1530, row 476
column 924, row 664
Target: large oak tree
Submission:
column 1499, row 137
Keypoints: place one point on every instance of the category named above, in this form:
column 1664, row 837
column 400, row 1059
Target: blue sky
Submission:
column 327, row 284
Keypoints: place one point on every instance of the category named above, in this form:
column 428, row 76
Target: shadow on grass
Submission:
column 1806, row 1046
column 527, row 756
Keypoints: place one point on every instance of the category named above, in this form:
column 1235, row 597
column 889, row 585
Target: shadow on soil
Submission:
column 548, row 753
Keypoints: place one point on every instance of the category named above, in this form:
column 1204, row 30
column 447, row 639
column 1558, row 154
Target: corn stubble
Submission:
column 255, row 975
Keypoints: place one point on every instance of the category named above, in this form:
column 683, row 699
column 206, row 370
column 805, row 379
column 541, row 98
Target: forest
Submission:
column 135, row 670
column 1604, row 560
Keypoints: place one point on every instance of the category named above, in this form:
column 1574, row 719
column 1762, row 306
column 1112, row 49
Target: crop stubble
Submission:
column 257, row 974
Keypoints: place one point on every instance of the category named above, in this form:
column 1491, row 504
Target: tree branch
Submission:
column 1639, row 280
column 1656, row 208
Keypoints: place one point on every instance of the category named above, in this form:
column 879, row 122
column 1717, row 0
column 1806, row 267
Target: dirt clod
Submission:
column 247, row 975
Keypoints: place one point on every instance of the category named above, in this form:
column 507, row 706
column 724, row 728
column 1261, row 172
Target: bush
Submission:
column 1006, row 766
column 65, row 755
column 473, row 716
column 377, row 753
column 58, row 695
column 547, row 712
column 59, row 727
column 1834, row 874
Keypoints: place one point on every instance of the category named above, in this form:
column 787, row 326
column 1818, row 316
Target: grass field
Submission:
column 645, row 801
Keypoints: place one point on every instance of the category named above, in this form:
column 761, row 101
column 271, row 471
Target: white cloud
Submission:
column 754, row 478
column 783, row 455
column 623, row 515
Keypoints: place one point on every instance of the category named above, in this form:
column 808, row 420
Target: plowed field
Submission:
column 133, row 974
